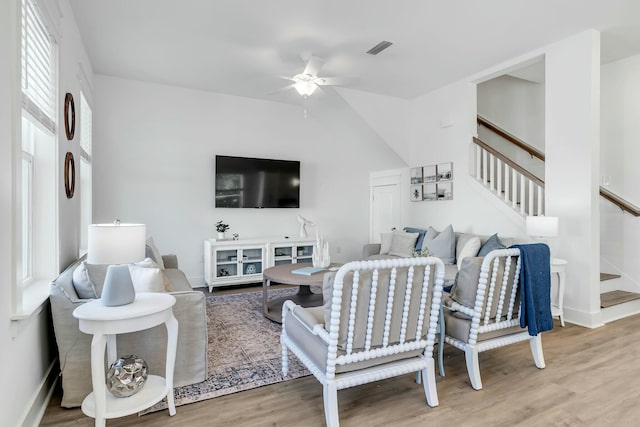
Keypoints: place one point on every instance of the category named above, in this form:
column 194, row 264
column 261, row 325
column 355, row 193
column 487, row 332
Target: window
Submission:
column 38, row 215
column 86, row 116
column 38, row 68
column 27, row 210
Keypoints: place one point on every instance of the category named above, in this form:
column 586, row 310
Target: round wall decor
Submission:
column 69, row 116
column 69, row 175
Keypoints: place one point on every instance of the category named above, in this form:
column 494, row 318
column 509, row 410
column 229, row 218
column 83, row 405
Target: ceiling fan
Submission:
column 308, row 81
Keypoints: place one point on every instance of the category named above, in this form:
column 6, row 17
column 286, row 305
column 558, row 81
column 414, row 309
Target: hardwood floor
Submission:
column 590, row 380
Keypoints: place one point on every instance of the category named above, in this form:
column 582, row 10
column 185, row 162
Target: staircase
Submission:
column 523, row 191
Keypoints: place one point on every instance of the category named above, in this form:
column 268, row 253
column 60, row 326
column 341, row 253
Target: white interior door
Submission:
column 385, row 210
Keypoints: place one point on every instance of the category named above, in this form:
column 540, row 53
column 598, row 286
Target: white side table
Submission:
column 147, row 311
column 558, row 266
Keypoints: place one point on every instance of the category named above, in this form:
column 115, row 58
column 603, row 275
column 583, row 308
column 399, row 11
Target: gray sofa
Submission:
column 372, row 251
column 74, row 346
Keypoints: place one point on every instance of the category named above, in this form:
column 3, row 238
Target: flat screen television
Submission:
column 243, row 182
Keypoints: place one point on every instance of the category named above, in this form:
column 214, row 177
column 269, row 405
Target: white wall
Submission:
column 572, row 150
column 517, row 106
column 27, row 356
column 572, row 167
column 389, row 117
column 8, row 126
column 472, row 209
column 76, row 72
column 620, row 133
column 154, row 149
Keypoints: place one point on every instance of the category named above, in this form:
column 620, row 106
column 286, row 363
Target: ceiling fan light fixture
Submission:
column 305, row 87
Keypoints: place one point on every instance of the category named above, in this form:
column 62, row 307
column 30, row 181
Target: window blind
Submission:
column 38, row 67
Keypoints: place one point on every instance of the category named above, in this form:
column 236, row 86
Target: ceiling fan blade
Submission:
column 313, row 66
column 282, row 89
column 336, row 81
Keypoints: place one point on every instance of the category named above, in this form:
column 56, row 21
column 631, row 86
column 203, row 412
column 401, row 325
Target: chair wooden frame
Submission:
column 507, row 314
column 423, row 363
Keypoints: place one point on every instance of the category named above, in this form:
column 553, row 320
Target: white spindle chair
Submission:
column 492, row 319
column 379, row 321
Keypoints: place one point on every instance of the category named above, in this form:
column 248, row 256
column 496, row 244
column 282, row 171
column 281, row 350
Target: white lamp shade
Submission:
column 116, row 243
column 542, row 226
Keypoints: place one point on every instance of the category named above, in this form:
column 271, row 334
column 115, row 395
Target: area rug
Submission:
column 243, row 350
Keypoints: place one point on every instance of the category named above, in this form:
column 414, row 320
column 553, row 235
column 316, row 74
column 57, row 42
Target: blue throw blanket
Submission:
column 535, row 288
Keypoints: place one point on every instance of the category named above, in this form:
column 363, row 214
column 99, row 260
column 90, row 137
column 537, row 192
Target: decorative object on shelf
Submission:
column 221, row 228
column 303, row 225
column 320, row 257
column 127, row 376
column 69, row 175
column 223, row 272
column 251, row 269
column 69, row 116
column 117, row 245
column 236, row 236
column 432, row 182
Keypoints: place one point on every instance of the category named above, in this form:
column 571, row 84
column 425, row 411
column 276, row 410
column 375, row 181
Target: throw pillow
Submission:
column 403, row 244
column 421, row 234
column 466, row 286
column 385, row 243
column 147, row 279
column 154, row 253
column 470, row 249
column 491, row 244
column 147, row 262
column 83, row 286
column 441, row 244
column 462, row 240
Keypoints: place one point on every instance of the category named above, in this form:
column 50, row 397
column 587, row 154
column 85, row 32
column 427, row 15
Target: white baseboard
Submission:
column 197, row 282
column 580, row 318
column 620, row 311
column 41, row 397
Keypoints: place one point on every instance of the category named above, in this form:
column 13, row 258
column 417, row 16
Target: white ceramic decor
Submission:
column 321, row 258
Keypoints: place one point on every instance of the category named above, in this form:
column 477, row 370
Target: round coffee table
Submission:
column 282, row 274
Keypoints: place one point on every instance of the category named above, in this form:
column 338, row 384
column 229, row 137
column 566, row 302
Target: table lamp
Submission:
column 542, row 227
column 117, row 245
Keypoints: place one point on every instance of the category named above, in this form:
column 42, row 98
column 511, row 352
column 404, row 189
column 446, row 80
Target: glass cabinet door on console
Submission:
column 303, row 253
column 291, row 253
column 226, row 263
column 232, row 262
column 238, row 262
column 282, row 254
column 252, row 262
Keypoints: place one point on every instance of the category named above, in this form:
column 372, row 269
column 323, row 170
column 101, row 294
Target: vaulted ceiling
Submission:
column 244, row 47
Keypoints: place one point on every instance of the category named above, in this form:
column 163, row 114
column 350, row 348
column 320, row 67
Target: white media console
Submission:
column 232, row 262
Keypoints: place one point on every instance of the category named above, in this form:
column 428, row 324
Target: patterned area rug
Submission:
column 243, row 350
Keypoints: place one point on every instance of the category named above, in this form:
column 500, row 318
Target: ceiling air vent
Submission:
column 379, row 47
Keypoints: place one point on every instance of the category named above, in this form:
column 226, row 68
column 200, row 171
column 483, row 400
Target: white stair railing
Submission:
column 515, row 186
